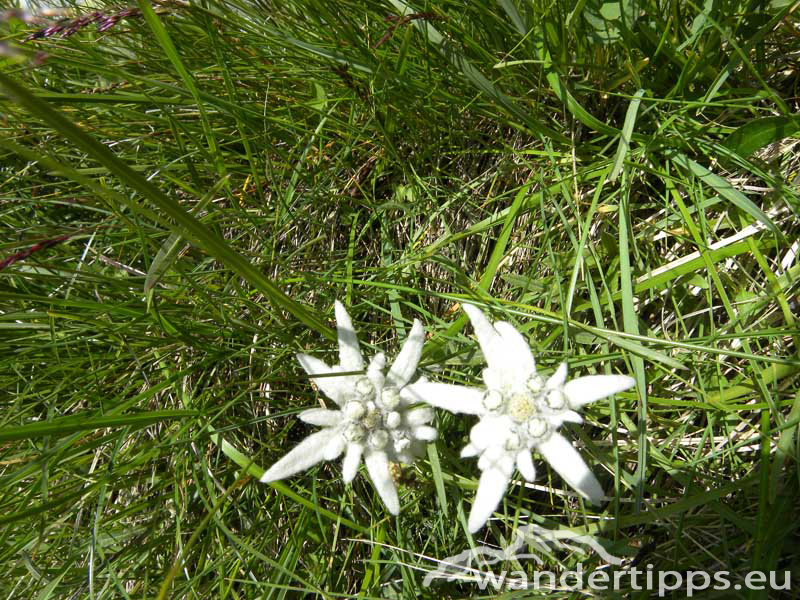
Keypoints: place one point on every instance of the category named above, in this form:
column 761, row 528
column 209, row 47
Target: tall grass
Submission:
column 185, row 193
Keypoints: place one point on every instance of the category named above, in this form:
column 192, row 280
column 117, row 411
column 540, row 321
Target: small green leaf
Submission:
column 756, row 134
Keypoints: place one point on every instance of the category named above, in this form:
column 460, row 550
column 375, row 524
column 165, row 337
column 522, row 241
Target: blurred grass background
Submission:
column 187, row 186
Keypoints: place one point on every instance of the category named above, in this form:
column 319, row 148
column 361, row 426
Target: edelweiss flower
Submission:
column 374, row 421
column 519, row 411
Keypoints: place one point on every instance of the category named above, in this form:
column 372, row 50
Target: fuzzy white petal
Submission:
column 378, row 469
column 566, row 416
column 490, row 431
column 516, row 351
column 497, row 457
column 491, row 489
column 321, row 417
column 331, row 385
column 419, row 416
column 567, row 462
column 352, row 459
column 584, row 390
column 405, row 365
column 525, row 465
column 349, row 354
column 469, row 451
column 558, row 378
column 490, row 341
column 334, row 448
column 425, row 432
column 494, row 379
column 455, row 398
column 306, row 454
column 375, row 370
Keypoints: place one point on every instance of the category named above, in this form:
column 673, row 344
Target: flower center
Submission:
column 354, row 410
column 379, row 439
column 401, row 441
column 528, row 408
column 374, row 418
column 522, row 406
column 354, row 433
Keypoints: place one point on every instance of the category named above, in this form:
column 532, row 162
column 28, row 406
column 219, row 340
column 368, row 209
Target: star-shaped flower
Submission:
column 519, row 412
column 373, row 420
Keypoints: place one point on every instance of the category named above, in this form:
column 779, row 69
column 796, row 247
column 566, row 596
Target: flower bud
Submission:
column 364, row 387
column 390, row 398
column 378, row 439
column 354, row 409
column 492, row 400
column 555, row 399
column 536, row 427
column 393, row 420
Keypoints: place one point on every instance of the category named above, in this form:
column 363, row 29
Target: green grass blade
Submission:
column 187, row 225
column 625, row 137
column 165, row 42
column 73, row 423
column 630, row 322
column 723, row 187
column 169, row 250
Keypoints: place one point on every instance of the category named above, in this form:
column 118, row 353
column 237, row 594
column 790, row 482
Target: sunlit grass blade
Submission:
column 625, row 136
column 725, row 189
